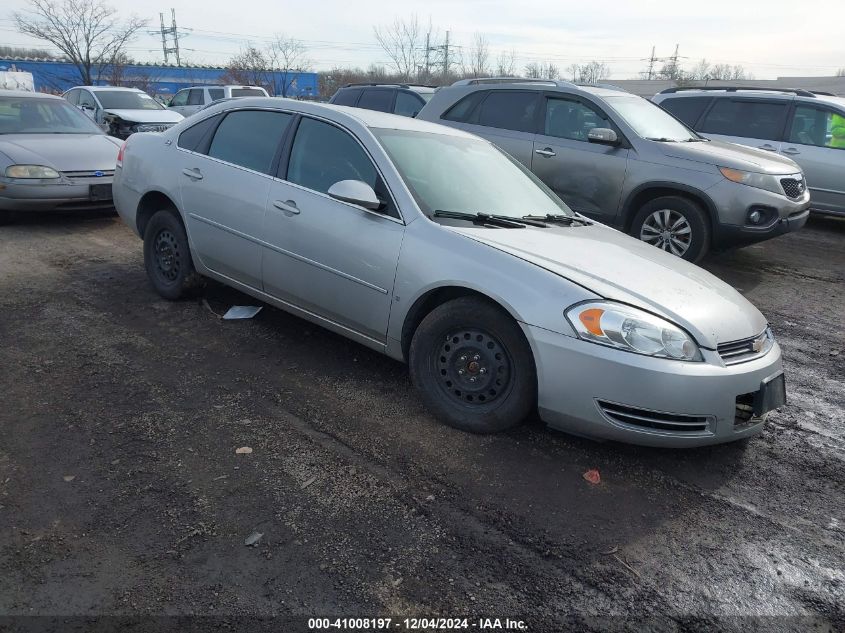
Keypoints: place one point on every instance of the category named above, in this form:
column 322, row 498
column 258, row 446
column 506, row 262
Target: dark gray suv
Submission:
column 626, row 162
column 401, row 99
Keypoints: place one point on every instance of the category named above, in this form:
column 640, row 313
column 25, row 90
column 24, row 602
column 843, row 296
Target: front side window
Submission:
column 32, row 115
column 509, row 110
column 195, row 97
column 818, row 127
column 323, row 154
column 250, row 138
column 127, row 100
column 749, row 119
column 407, row 104
column 469, row 175
column 86, row 99
column 379, row 99
column 650, row 121
column 72, row 97
column 180, row 98
column 571, row 119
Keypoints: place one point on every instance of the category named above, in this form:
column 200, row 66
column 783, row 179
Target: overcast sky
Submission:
column 769, row 37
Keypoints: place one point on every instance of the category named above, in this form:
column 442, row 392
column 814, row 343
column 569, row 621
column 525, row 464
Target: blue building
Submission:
column 56, row 76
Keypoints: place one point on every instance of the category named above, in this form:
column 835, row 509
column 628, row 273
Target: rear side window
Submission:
column 250, row 138
column 195, row 97
column 687, row 109
column 195, row 138
column 377, row 99
column 509, row 110
column 323, row 154
column 749, row 119
column 407, row 104
column 346, row 96
column 215, row 93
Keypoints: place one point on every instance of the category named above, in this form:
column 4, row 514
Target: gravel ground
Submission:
column 121, row 492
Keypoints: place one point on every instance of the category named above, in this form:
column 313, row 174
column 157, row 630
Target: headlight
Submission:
column 753, row 179
column 30, row 171
column 632, row 330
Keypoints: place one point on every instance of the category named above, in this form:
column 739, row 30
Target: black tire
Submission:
column 167, row 256
column 5, row 217
column 476, row 337
column 654, row 212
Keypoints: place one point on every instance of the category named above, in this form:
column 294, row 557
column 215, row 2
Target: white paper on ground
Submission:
column 241, row 312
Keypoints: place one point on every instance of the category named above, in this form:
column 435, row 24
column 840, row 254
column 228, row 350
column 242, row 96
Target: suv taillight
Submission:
column 120, row 154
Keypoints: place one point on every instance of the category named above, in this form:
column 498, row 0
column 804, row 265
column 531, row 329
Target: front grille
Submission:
column 793, row 187
column 643, row 418
column 746, row 349
column 88, row 174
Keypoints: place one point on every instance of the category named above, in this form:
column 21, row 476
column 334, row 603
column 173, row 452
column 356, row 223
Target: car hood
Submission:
column 62, row 152
column 618, row 267
column 732, row 156
column 147, row 116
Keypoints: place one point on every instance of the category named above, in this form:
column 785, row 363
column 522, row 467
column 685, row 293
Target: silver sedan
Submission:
column 52, row 157
column 436, row 248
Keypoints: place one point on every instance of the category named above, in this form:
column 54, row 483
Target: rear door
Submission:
column 331, row 258
column 587, row 176
column 816, row 141
column 225, row 167
column 754, row 122
column 508, row 118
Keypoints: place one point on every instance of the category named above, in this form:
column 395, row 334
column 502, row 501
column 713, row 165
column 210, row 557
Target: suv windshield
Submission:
column 127, row 100
column 650, row 121
column 451, row 173
column 33, row 115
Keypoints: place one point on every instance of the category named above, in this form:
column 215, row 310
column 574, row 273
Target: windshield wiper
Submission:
column 661, row 139
column 568, row 220
column 485, row 218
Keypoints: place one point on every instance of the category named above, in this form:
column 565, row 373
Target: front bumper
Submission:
column 53, row 196
column 575, row 376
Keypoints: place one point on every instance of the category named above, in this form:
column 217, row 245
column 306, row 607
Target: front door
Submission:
column 587, row 176
column 816, row 141
column 179, row 102
column 333, row 259
column 224, row 191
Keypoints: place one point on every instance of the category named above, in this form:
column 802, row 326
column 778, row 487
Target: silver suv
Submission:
column 622, row 160
column 807, row 127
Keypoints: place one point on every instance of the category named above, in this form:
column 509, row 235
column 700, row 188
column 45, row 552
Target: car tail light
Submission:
column 120, row 154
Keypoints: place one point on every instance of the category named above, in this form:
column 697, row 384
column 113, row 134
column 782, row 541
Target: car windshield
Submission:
column 452, row 173
column 650, row 121
column 248, row 92
column 127, row 100
column 34, row 115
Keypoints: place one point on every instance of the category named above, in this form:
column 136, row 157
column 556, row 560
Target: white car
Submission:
column 122, row 111
column 190, row 100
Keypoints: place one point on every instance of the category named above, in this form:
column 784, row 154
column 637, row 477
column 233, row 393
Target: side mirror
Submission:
column 355, row 192
column 603, row 135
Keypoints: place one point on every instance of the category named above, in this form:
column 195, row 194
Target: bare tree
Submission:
column 477, row 61
column 250, row 67
column 840, row 72
column 288, row 57
column 546, row 70
column 727, row 72
column 87, row 32
column 593, row 72
column 506, row 64
column 700, row 72
column 574, row 70
column 403, row 41
column 15, row 51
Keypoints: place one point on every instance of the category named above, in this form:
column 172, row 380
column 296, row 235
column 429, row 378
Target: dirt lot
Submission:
column 121, row 492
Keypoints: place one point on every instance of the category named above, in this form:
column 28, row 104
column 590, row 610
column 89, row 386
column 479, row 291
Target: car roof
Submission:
column 547, row 85
column 27, row 93
column 340, row 114
column 110, row 88
column 414, row 87
column 787, row 94
column 221, row 86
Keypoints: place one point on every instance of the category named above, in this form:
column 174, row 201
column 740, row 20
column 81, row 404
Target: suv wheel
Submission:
column 473, row 366
column 167, row 256
column 677, row 225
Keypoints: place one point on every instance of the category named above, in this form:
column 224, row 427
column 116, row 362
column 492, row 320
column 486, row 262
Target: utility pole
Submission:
column 174, row 33
column 651, row 61
column 427, row 55
column 176, row 37
column 446, row 57
column 674, row 66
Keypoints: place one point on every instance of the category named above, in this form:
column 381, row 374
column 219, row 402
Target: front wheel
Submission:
column 167, row 256
column 473, row 366
column 674, row 224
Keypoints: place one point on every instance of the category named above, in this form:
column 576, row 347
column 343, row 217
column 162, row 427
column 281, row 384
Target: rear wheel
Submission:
column 674, row 224
column 167, row 256
column 473, row 366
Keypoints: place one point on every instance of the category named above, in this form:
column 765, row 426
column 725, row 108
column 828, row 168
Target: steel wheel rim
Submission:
column 668, row 230
column 472, row 366
column 168, row 261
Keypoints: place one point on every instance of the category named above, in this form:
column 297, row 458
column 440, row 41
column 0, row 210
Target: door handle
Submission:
column 767, row 147
column 288, row 206
column 791, row 151
column 548, row 152
column 193, row 174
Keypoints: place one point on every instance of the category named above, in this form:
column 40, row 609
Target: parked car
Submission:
column 122, row 111
column 436, row 248
column 620, row 159
column 52, row 157
column 402, row 99
column 189, row 101
column 807, row 127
